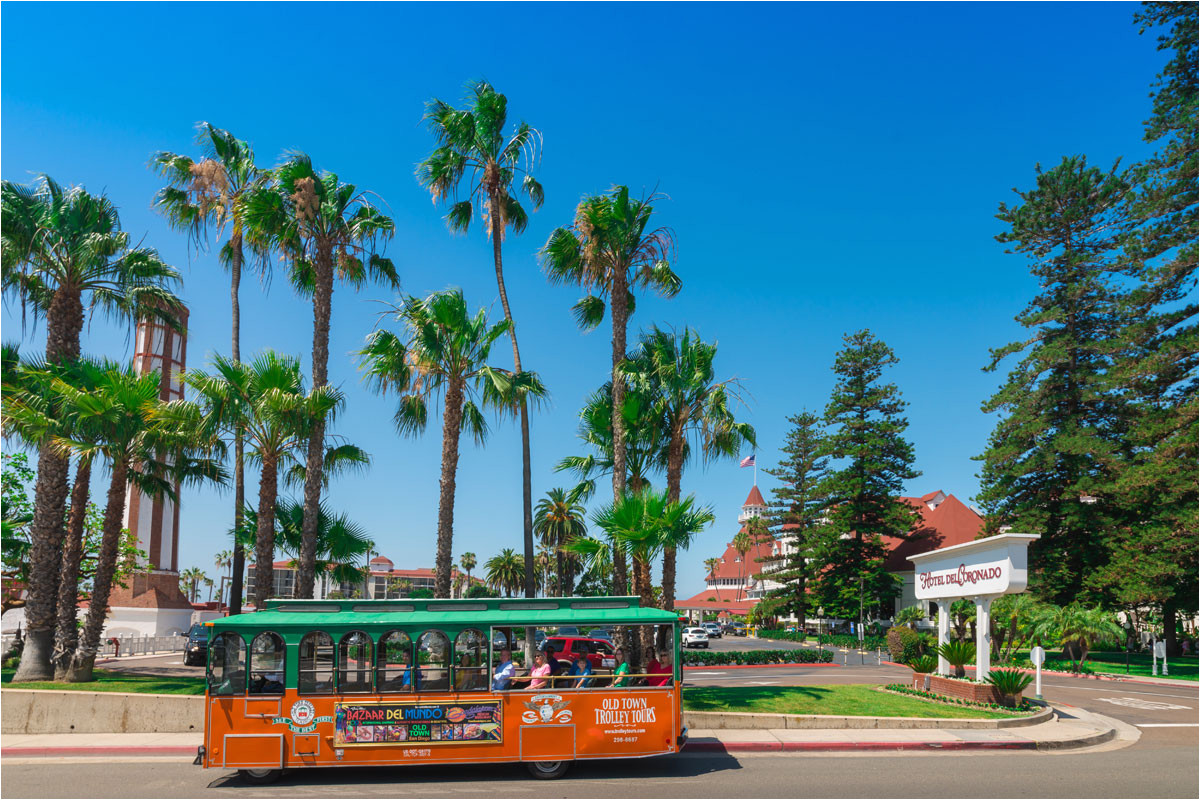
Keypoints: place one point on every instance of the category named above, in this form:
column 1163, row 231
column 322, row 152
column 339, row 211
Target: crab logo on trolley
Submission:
column 303, row 712
column 547, row 708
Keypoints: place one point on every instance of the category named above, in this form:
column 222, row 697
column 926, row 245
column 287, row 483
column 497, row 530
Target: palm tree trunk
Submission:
column 264, row 539
column 619, row 297
column 64, row 321
column 66, row 635
column 451, row 428
column 84, row 659
column 239, row 442
column 674, row 479
column 526, row 464
column 315, row 463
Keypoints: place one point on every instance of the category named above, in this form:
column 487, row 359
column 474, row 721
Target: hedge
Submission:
column 708, row 658
column 841, row 640
column 900, row 688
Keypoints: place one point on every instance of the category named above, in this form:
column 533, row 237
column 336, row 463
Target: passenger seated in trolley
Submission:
column 502, row 678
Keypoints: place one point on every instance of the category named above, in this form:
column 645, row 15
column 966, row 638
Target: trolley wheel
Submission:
column 260, row 777
column 548, row 770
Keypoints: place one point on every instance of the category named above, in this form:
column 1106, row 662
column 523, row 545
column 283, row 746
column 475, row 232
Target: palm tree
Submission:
column 265, row 398
column 472, row 140
column 505, row 572
column 643, row 524
column 467, row 561
column 63, row 253
column 190, row 579
column 213, row 191
column 609, row 252
column 142, row 442
column 326, row 229
column 559, row 521
column 223, row 560
column 742, row 544
column 678, row 373
column 711, row 565
column 1074, row 627
column 444, row 358
column 544, row 561
column 341, row 542
column 645, row 449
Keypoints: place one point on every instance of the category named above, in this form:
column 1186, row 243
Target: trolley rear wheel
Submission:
column 548, row 770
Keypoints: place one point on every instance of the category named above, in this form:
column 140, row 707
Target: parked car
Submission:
column 714, row 630
column 568, row 630
column 601, row 633
column 599, row 653
column 195, row 651
column 695, row 637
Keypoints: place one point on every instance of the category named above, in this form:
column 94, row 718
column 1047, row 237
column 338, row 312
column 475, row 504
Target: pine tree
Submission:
column 797, row 516
column 866, row 440
column 1051, row 461
column 1155, row 563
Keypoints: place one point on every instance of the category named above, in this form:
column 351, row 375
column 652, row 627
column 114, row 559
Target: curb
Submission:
column 1104, row 676
column 756, row 666
column 785, row 747
column 98, row 752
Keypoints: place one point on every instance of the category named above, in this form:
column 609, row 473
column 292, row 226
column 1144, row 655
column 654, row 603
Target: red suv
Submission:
column 567, row 649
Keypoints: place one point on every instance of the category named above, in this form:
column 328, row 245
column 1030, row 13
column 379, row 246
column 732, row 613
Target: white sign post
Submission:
column 1160, row 650
column 1038, row 656
column 982, row 570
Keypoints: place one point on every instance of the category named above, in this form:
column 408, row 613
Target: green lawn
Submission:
column 107, row 681
column 1180, row 668
column 845, row 700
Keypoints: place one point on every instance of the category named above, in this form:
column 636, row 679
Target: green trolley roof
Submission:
column 429, row 613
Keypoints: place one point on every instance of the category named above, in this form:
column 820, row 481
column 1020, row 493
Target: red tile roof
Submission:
column 729, row 566
column 952, row 522
column 755, row 498
column 726, row 602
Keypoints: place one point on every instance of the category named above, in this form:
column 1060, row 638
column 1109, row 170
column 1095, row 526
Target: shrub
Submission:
column 1009, row 682
column 904, row 644
column 708, row 658
column 941, row 698
column 958, row 654
column 923, row 664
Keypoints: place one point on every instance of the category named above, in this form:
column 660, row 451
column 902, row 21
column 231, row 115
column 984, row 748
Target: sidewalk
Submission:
column 1073, row 729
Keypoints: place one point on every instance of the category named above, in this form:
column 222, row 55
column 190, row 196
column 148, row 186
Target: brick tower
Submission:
column 153, row 604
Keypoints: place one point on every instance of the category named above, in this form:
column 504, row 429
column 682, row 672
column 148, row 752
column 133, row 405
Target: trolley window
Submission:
column 395, row 662
column 266, row 664
column 227, row 665
column 316, row 663
column 433, row 657
column 470, row 661
column 355, row 662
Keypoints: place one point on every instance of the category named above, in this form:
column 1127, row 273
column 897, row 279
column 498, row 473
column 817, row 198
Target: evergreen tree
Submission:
column 1051, row 461
column 866, row 440
column 1155, row 562
column 797, row 516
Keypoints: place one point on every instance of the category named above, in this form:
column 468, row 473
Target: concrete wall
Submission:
column 33, row 711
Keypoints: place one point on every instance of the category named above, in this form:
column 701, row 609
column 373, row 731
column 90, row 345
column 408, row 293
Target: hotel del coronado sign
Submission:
column 981, row 570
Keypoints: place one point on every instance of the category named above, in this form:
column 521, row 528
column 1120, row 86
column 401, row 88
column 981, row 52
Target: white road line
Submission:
column 1167, row 724
column 694, row 674
column 764, row 683
column 1112, row 689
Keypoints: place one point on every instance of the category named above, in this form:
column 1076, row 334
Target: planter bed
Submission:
column 960, row 688
column 1022, row 709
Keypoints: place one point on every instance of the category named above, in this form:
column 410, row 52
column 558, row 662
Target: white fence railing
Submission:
column 129, row 645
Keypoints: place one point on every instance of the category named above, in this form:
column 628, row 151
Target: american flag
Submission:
column 748, row 461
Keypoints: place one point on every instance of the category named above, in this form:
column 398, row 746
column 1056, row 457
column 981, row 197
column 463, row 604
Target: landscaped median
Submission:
column 714, row 658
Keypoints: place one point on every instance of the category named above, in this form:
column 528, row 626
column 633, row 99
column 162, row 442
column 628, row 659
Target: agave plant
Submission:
column 923, row 664
column 959, row 654
column 1009, row 684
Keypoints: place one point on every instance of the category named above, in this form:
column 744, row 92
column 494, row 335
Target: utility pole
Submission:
column 860, row 607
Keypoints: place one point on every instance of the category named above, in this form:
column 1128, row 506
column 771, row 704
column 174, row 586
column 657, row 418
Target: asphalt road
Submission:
column 1163, row 771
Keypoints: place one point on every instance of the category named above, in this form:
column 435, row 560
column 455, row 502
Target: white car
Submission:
column 695, row 637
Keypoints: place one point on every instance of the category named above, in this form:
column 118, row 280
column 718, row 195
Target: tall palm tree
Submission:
column 223, row 560
column 209, row 196
column 63, row 254
column 472, row 141
column 467, row 562
column 693, row 408
column 505, row 572
column 544, row 561
column 265, row 398
column 143, row 443
column 742, row 544
column 643, row 524
column 444, row 358
column 711, row 565
column 609, row 251
column 326, row 229
column 645, row 449
column 559, row 521
column 341, row 542
column 191, row 578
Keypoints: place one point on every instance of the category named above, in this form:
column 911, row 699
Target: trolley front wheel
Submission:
column 548, row 770
column 260, row 777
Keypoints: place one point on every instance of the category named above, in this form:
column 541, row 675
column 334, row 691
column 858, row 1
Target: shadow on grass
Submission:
column 724, row 698
column 107, row 681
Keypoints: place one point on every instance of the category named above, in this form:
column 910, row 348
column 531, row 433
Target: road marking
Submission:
column 1167, row 724
column 1109, row 689
column 706, row 673
column 764, row 683
column 1148, row 705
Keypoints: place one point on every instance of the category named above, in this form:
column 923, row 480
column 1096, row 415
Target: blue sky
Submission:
column 829, row 167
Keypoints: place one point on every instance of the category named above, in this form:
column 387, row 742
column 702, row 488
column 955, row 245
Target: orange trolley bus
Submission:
column 306, row 683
